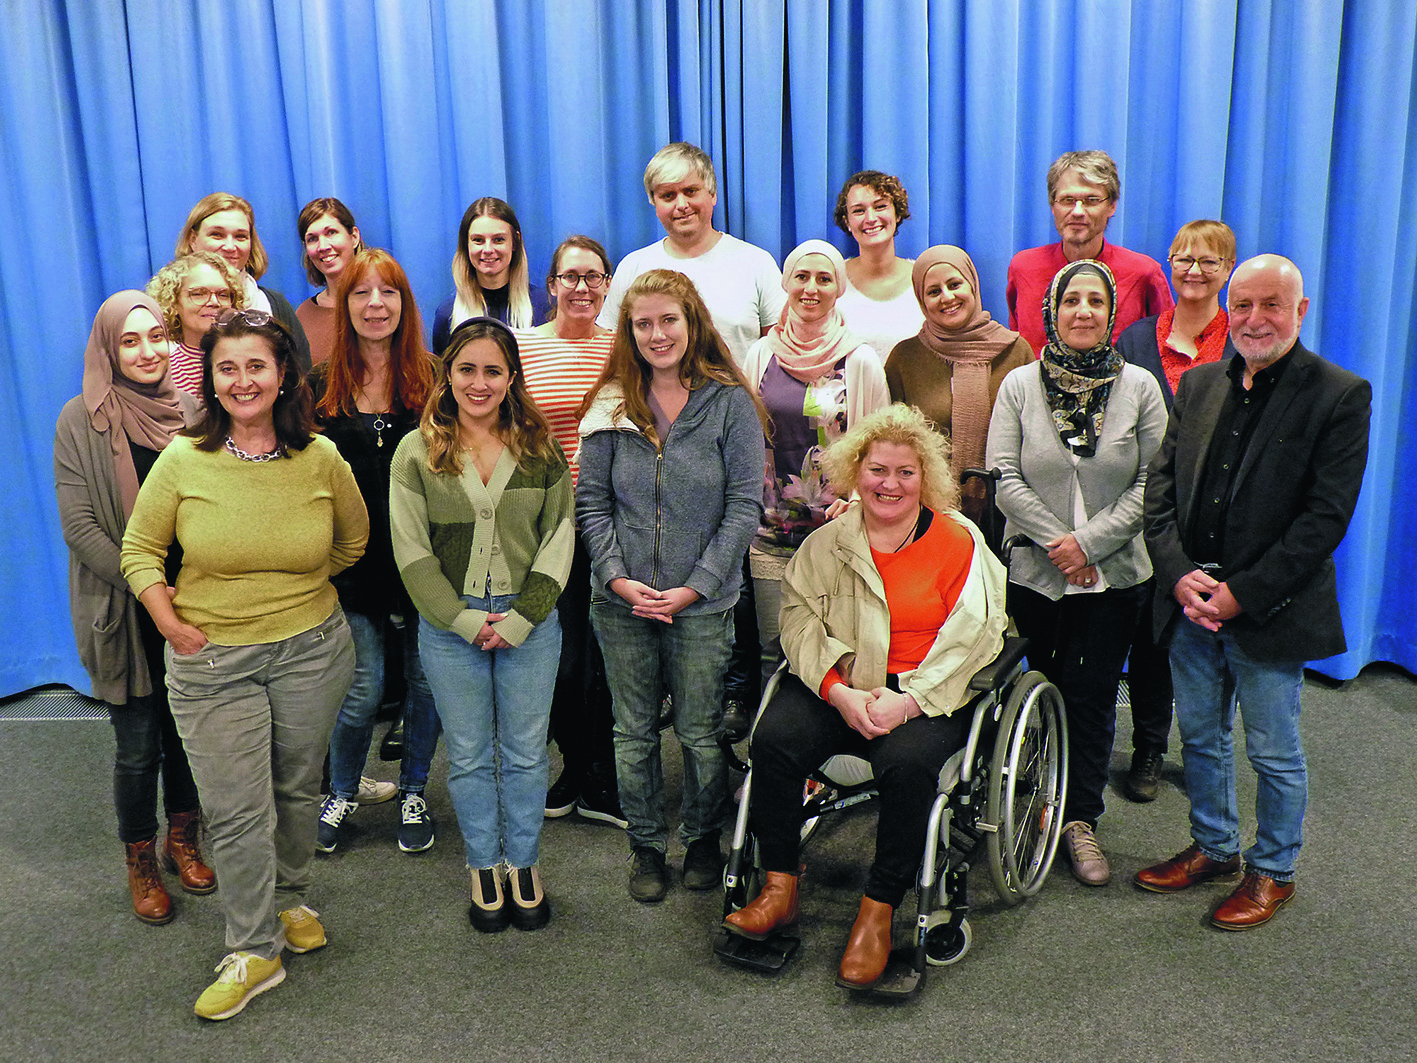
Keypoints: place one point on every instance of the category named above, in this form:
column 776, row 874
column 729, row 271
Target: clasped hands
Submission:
column 1067, row 555
column 650, row 604
column 1205, row 600
column 872, row 713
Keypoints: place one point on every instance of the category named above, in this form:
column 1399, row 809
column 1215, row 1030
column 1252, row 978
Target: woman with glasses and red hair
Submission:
column 259, row 655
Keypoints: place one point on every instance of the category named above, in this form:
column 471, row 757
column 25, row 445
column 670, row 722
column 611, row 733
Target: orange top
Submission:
column 923, row 581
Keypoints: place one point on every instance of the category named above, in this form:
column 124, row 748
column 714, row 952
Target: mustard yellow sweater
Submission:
column 260, row 540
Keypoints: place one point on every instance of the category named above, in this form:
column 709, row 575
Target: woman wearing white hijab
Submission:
column 817, row 379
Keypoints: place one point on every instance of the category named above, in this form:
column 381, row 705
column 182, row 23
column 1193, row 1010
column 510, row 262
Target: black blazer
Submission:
column 1294, row 496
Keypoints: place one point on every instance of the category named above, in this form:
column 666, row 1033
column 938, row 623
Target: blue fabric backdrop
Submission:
column 1296, row 123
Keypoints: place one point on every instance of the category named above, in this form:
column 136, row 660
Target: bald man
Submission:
column 1250, row 494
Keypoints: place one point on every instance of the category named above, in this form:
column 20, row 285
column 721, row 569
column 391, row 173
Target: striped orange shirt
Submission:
column 558, row 374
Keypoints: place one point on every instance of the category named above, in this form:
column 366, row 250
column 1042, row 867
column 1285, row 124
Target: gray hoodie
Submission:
column 682, row 516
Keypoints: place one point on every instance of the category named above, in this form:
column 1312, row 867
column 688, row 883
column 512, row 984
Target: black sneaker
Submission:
column 666, row 712
column 415, row 823
column 649, row 875
column 601, row 805
column 333, row 813
column 561, row 798
column 703, row 865
column 1143, row 781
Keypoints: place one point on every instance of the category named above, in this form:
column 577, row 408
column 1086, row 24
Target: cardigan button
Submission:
column 485, row 514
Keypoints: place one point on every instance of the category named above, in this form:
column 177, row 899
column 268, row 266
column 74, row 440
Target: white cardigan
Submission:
column 864, row 373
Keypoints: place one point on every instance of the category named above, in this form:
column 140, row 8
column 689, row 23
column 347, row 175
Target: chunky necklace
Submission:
column 279, row 452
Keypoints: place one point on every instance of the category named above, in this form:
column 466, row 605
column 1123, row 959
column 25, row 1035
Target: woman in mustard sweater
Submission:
column 259, row 654
column 481, row 510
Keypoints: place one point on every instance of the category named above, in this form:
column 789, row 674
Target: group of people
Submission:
column 603, row 502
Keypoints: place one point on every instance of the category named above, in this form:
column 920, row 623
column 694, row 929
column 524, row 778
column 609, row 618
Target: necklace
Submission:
column 379, row 425
column 279, row 452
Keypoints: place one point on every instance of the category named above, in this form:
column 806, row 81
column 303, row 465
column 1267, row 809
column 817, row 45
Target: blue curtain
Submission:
column 1296, row 123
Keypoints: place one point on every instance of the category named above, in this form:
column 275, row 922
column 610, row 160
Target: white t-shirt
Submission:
column 880, row 323
column 741, row 285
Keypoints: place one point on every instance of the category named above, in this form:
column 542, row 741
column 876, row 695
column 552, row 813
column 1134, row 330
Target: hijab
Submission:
column 124, row 410
column 969, row 350
column 808, row 352
column 1077, row 383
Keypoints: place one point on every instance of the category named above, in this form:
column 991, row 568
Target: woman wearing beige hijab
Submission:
column 953, row 367
column 106, row 441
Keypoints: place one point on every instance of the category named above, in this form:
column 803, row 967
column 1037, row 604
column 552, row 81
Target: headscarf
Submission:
column 808, row 352
column 146, row 414
column 969, row 350
column 1077, row 383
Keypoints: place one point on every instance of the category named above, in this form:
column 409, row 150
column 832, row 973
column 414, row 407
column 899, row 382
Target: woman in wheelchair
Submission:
column 886, row 614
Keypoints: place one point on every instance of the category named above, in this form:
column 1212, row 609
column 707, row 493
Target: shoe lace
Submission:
column 232, row 967
column 414, row 808
column 336, row 808
column 1150, row 765
column 302, row 914
column 1084, row 842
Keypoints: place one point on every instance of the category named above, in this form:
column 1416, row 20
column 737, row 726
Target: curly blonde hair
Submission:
column 906, row 426
column 166, row 287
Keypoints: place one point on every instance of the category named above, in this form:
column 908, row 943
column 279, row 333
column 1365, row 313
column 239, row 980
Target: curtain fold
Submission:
column 1295, row 123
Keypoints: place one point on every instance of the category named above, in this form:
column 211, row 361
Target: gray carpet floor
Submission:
column 1076, row 974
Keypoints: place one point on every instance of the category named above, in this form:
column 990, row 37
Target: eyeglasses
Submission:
column 1087, row 202
column 202, row 296
column 573, row 280
column 254, row 318
column 1207, row 265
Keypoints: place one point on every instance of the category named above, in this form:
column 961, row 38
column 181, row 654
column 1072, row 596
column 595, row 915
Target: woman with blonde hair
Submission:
column 887, row 612
column 482, row 518
column 669, row 496
column 225, row 225
column 490, row 273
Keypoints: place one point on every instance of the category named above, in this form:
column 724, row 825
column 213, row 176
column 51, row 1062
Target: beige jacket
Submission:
column 834, row 613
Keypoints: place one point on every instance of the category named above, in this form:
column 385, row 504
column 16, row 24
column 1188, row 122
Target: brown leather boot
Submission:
column 869, row 946
column 151, row 903
column 774, row 908
column 182, row 852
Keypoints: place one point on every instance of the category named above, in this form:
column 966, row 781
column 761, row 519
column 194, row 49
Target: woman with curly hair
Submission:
column 887, row 612
column 482, row 514
column 876, row 300
column 192, row 290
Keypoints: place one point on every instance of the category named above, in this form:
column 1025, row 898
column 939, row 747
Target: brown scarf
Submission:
column 968, row 350
column 146, row 414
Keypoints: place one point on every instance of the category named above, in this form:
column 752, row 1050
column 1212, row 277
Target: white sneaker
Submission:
column 1090, row 865
column 374, row 791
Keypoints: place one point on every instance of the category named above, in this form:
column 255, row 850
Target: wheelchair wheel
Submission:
column 946, row 942
column 1027, row 784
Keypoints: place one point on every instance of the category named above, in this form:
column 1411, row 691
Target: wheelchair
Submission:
column 1003, row 792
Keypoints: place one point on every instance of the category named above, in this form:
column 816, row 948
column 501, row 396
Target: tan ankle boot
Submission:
column 151, row 903
column 182, row 853
column 869, row 946
column 774, row 908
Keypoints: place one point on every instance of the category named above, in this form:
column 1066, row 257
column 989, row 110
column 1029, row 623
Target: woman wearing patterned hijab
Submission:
column 953, row 368
column 105, row 443
column 1072, row 435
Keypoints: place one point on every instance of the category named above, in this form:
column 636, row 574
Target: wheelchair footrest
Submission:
column 768, row 956
column 901, row 980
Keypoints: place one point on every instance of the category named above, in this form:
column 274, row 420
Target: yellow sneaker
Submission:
column 240, row 976
column 303, row 932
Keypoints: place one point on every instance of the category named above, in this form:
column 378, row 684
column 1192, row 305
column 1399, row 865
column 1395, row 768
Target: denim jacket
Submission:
column 680, row 516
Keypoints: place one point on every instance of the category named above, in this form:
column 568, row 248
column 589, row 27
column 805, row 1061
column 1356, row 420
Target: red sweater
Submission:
column 1141, row 287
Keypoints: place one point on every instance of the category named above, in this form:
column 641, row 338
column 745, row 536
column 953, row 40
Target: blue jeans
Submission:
column 495, row 705
column 1209, row 670
column 688, row 658
column 349, row 744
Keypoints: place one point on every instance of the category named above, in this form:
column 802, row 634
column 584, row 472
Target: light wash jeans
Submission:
column 349, row 744
column 688, row 659
column 255, row 721
column 1209, row 670
column 495, row 705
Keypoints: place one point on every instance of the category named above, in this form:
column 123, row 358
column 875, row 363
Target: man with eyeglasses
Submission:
column 1249, row 496
column 1083, row 189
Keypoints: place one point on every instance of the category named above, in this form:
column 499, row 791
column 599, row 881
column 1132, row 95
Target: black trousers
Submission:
column 1149, row 683
column 1080, row 643
column 582, row 723
column 799, row 732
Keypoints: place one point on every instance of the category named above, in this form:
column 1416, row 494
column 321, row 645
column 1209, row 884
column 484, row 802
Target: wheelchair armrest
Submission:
column 992, row 675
